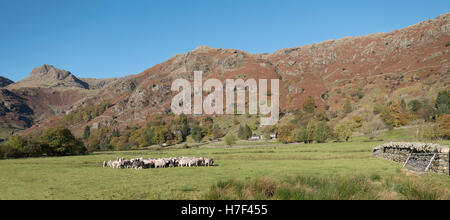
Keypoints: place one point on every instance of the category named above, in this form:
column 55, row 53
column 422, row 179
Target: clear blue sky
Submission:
column 112, row 38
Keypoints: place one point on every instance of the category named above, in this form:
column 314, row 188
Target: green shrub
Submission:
column 229, row 140
column 245, row 132
column 9, row 152
column 414, row 106
column 348, row 108
column 59, row 141
column 301, row 135
column 429, row 132
column 442, row 104
column 321, row 132
column 32, row 149
column 197, row 133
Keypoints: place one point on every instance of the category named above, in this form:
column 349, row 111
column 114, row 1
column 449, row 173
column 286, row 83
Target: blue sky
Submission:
column 112, row 38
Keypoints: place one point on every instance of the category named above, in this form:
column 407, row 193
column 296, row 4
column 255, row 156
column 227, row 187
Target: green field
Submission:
column 298, row 167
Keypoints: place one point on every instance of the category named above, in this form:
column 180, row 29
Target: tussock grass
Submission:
column 327, row 188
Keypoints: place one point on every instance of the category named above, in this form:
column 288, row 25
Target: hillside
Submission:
column 411, row 63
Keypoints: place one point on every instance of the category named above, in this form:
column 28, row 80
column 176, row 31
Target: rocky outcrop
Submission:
column 5, row 82
column 10, row 102
column 14, row 110
column 422, row 153
column 95, row 84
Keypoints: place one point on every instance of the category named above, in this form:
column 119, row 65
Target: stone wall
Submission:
column 399, row 152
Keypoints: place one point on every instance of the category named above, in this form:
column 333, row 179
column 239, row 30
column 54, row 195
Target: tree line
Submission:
column 168, row 130
column 56, row 141
column 314, row 125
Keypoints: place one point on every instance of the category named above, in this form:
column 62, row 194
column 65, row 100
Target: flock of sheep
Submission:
column 140, row 163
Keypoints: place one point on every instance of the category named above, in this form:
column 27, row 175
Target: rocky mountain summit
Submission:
column 47, row 76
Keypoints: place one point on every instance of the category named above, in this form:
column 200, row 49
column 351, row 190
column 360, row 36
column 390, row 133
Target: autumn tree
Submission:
column 395, row 115
column 357, row 121
column 285, row 134
column 343, row 130
column 443, row 126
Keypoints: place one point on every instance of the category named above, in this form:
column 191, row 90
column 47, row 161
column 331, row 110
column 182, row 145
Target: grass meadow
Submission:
column 249, row 170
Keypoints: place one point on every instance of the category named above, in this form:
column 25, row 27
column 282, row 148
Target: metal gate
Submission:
column 419, row 162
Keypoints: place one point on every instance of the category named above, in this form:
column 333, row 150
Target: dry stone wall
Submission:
column 401, row 151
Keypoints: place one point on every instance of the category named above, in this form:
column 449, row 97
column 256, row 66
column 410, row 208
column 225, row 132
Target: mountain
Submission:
column 47, row 76
column 5, row 82
column 411, row 63
column 45, row 93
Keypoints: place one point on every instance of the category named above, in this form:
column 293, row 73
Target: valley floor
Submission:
column 329, row 165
